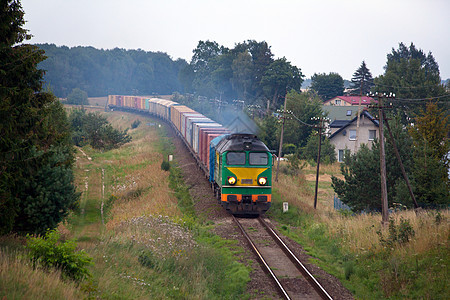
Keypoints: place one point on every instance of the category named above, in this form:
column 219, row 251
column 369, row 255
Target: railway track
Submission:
column 291, row 277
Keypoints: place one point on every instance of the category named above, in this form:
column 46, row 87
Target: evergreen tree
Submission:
column 362, row 80
column 431, row 161
column 36, row 179
column 410, row 74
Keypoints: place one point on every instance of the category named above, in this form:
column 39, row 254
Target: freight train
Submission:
column 238, row 165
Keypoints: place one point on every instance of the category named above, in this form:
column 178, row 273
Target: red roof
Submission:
column 354, row 100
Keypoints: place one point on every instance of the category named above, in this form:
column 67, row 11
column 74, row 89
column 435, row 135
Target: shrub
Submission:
column 135, row 124
column 165, row 165
column 50, row 252
column 398, row 234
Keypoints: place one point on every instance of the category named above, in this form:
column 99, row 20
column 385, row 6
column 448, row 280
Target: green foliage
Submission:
column 135, row 124
column 362, row 80
column 410, row 74
column 304, row 106
column 361, row 187
column 50, row 252
column 246, row 72
column 165, row 165
column 431, row 163
column 77, row 97
column 280, row 76
column 35, row 150
column 118, row 71
column 94, row 129
column 49, row 195
column 268, row 133
column 310, row 151
column 327, row 86
column 398, row 234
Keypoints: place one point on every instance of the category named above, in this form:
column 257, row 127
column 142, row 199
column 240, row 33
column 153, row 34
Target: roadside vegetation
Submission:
column 135, row 222
column 409, row 258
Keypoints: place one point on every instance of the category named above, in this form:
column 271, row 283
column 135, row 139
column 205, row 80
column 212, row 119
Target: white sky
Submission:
column 318, row 36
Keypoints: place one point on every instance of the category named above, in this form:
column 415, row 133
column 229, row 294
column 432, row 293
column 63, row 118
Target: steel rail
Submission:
column 262, row 260
column 314, row 283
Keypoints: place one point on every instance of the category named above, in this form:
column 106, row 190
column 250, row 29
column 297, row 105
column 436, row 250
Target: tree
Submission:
column 261, row 57
column 327, row 86
column 304, row 106
column 279, row 77
column 410, row 74
column 360, row 188
column 268, row 133
column 77, row 97
column 310, row 151
column 431, row 161
column 36, row 155
column 362, row 80
column 242, row 74
column 94, row 129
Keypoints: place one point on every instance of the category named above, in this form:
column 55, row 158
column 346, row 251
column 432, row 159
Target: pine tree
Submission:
column 362, row 80
column 36, row 154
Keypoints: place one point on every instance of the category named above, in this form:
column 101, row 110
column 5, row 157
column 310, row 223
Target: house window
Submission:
column 349, row 112
column 341, row 155
column 352, row 135
column 372, row 135
column 337, row 102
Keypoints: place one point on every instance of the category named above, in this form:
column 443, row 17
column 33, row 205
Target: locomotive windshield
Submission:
column 236, row 158
column 258, row 158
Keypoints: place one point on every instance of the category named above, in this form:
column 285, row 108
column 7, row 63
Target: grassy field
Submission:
column 144, row 245
column 135, row 220
column 409, row 259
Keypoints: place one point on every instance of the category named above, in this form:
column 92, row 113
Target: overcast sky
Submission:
column 318, row 36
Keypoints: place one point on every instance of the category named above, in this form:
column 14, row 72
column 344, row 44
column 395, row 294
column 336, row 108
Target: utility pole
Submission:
column 359, row 116
column 402, row 168
column 384, row 199
column 281, row 138
column 320, row 127
column 318, row 161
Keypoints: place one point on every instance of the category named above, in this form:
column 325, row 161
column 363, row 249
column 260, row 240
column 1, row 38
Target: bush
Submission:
column 398, row 234
column 165, row 165
column 78, row 97
column 135, row 124
column 50, row 252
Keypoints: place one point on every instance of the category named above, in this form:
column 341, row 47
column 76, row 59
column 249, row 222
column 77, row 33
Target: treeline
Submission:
column 248, row 72
column 101, row 72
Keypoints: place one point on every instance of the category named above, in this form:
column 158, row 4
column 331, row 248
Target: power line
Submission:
column 406, row 87
column 423, row 99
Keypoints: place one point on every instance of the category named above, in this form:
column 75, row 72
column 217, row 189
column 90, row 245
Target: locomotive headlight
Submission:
column 262, row 180
column 232, row 180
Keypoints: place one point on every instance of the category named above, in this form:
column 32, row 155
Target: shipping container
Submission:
column 195, row 133
column 176, row 111
column 204, row 141
column 190, row 126
column 184, row 118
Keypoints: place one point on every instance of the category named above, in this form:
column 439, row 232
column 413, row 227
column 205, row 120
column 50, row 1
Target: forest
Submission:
column 101, row 72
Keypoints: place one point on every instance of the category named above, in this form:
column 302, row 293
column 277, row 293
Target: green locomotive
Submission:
column 241, row 173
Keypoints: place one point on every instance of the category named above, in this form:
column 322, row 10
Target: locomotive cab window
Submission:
column 236, row 158
column 258, row 158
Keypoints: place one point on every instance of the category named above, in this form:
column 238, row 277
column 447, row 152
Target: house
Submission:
column 344, row 131
column 350, row 101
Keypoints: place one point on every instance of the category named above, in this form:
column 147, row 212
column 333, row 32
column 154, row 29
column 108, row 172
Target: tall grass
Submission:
column 354, row 247
column 19, row 280
column 152, row 246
